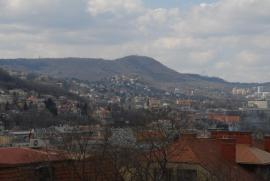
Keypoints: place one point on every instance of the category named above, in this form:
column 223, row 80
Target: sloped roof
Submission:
column 182, row 154
column 16, row 156
column 207, row 153
column 246, row 154
column 101, row 169
column 150, row 135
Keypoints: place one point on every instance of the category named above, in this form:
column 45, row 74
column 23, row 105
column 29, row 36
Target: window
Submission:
column 186, row 175
column 44, row 173
column 169, row 174
column 159, row 174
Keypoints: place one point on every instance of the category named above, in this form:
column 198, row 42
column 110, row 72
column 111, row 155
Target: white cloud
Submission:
column 97, row 7
column 16, row 7
column 157, row 20
column 202, row 58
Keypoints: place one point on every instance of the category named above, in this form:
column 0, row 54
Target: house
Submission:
column 154, row 103
column 249, row 154
column 224, row 118
column 20, row 164
column 222, row 156
column 139, row 102
column 17, row 92
column 260, row 104
column 4, row 98
column 104, row 115
column 184, row 103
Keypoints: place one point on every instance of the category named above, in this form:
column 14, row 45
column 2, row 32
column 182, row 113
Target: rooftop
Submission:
column 212, row 154
column 246, row 154
column 17, row 156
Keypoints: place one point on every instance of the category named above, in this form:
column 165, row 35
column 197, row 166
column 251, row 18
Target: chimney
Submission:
column 228, row 149
column 242, row 137
column 219, row 134
column 267, row 143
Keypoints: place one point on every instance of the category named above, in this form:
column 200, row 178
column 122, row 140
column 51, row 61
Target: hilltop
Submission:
column 149, row 69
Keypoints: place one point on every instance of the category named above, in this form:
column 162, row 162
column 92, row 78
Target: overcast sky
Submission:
column 225, row 38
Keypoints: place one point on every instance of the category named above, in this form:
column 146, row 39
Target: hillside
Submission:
column 10, row 82
column 147, row 68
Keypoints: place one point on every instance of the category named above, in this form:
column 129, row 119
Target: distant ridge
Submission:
column 90, row 69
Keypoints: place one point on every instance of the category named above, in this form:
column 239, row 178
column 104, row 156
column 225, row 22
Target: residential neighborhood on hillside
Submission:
column 123, row 114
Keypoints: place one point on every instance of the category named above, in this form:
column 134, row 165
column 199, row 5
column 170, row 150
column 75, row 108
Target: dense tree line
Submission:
column 10, row 82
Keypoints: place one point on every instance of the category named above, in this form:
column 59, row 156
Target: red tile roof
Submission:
column 15, row 156
column 246, row 154
column 207, row 153
column 224, row 118
column 93, row 168
column 182, row 154
column 150, row 135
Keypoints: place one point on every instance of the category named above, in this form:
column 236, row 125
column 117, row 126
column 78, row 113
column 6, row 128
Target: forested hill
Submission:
column 89, row 69
column 9, row 82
